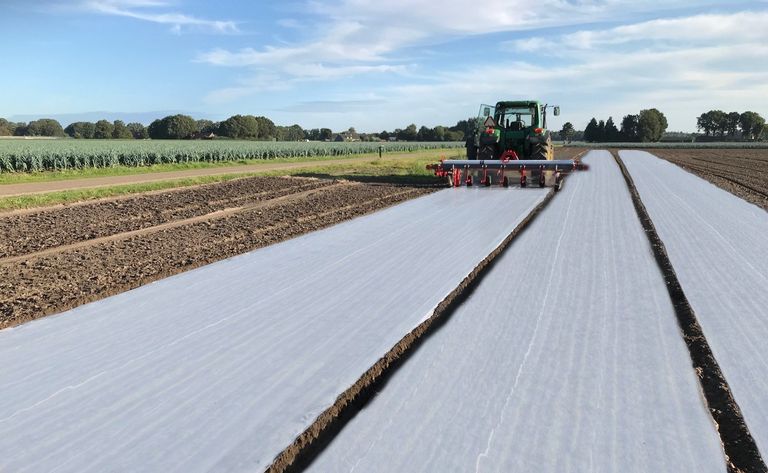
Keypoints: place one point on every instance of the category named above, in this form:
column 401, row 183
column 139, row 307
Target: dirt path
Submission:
column 8, row 190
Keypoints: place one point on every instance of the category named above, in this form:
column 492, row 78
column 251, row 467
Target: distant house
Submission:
column 203, row 136
column 346, row 136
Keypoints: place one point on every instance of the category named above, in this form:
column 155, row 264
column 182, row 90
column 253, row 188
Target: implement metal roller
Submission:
column 460, row 170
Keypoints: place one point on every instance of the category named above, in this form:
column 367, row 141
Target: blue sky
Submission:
column 378, row 65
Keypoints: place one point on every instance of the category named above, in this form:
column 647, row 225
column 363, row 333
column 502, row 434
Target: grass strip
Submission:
column 409, row 171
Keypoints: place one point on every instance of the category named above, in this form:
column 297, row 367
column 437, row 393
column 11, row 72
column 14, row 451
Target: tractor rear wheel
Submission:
column 544, row 151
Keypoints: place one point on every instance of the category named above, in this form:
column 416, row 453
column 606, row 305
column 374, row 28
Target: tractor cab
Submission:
column 510, row 139
column 519, row 126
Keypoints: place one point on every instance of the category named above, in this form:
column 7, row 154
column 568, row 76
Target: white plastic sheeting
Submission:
column 567, row 357
column 220, row 368
column 718, row 245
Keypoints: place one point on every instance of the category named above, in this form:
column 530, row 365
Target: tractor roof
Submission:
column 518, row 103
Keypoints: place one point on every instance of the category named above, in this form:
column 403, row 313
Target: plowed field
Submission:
column 57, row 258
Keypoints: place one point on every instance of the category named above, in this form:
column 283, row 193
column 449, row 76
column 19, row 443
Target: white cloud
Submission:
column 155, row 11
column 683, row 66
column 670, row 33
column 353, row 33
column 462, row 17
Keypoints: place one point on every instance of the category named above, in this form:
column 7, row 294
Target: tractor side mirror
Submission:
column 486, row 111
column 557, row 111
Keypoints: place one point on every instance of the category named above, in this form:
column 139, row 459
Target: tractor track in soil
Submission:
column 309, row 444
column 742, row 172
column 742, row 454
column 122, row 252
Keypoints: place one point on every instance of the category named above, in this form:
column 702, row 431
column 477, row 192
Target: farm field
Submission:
column 575, row 366
column 21, row 184
column 59, row 155
column 242, row 355
column 164, row 325
column 373, row 237
column 718, row 246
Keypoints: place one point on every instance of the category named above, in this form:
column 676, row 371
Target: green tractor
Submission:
column 512, row 130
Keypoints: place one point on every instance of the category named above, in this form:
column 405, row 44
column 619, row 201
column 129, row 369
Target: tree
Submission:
column 205, row 126
column 409, row 134
column 241, row 127
column 81, row 130
column 719, row 120
column 180, row 126
column 138, row 131
column 103, row 130
column 611, row 132
column 173, row 127
column 294, row 133
column 326, row 134
column 438, row 133
column 733, row 123
column 600, row 131
column 454, row 135
column 44, row 127
column 467, row 127
column 652, row 124
column 591, row 131
column 384, row 135
column 706, row 123
column 630, row 128
column 425, row 134
column 752, row 125
column 20, row 130
column 120, row 131
column 6, row 128
column 267, row 128
column 567, row 132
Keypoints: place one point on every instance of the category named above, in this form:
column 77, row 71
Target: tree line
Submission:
column 651, row 125
column 747, row 125
column 241, row 127
column 648, row 125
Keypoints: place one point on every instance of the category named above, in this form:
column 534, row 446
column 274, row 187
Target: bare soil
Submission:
column 742, row 172
column 31, row 231
column 56, row 259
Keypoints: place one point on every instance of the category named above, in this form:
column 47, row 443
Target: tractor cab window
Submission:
column 516, row 118
column 485, row 112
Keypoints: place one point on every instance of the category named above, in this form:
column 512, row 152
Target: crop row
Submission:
column 50, row 155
